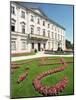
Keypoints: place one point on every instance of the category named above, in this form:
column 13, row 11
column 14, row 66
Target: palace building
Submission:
column 31, row 29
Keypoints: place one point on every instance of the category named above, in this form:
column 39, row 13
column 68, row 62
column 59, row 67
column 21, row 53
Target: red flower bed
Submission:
column 54, row 90
column 23, row 76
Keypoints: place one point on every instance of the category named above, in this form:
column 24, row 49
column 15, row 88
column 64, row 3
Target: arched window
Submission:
column 23, row 27
column 38, row 21
column 48, row 33
column 13, row 10
column 38, row 30
column 44, row 32
column 32, row 18
column 43, row 23
column 13, row 25
column 13, row 45
column 32, row 29
column 22, row 14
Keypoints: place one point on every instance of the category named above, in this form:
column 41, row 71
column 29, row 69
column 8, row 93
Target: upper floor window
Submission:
column 52, row 35
column 55, row 35
column 43, row 32
column 32, row 18
column 32, row 29
column 23, row 27
column 43, row 23
column 55, row 28
column 52, row 27
column 38, row 21
column 12, row 9
column 49, row 34
column 58, row 36
column 13, row 25
column 61, row 37
column 48, row 25
column 38, row 30
column 58, row 30
column 22, row 14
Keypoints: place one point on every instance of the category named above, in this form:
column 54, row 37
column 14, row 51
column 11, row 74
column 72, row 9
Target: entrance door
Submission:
column 38, row 46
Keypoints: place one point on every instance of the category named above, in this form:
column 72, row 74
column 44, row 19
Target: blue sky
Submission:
column 62, row 14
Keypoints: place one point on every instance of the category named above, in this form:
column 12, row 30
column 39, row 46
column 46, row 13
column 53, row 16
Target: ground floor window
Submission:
column 23, row 45
column 44, row 45
column 48, row 45
column 32, row 45
column 13, row 45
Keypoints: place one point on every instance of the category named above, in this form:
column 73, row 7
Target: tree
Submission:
column 68, row 44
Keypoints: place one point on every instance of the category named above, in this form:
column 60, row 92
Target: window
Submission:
column 13, row 25
column 63, row 38
column 58, row 36
column 52, row 35
column 49, row 34
column 38, row 30
column 32, row 29
column 48, row 25
column 44, row 32
column 23, row 45
column 32, row 18
column 44, row 45
column 49, row 45
column 32, row 45
column 23, row 27
column 13, row 10
column 55, row 28
column 43, row 23
column 55, row 35
column 13, row 45
column 58, row 29
column 23, row 14
column 38, row 21
column 52, row 27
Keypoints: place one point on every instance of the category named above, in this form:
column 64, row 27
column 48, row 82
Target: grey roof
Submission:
column 43, row 14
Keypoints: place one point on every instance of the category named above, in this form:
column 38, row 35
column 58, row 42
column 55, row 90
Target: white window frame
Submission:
column 22, row 14
column 38, row 30
column 13, row 24
column 23, row 45
column 13, row 45
column 23, row 27
column 32, row 29
column 32, row 18
column 44, row 33
column 49, row 33
column 13, row 10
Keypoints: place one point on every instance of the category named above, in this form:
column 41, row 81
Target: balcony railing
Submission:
column 19, row 33
column 35, row 36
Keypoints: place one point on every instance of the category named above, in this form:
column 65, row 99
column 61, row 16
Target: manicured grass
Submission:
column 26, row 89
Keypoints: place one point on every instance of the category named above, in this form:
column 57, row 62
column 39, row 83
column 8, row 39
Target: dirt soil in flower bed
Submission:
column 22, row 54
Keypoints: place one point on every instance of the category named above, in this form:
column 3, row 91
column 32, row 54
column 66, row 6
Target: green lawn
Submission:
column 26, row 89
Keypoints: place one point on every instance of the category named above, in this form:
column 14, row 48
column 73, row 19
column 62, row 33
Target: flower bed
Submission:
column 23, row 76
column 53, row 90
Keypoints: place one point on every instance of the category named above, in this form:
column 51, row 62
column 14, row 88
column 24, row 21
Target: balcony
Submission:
column 38, row 37
column 19, row 34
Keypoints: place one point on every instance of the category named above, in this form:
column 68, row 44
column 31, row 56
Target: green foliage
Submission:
column 69, row 45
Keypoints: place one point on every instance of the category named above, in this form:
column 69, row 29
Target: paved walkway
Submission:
column 39, row 54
